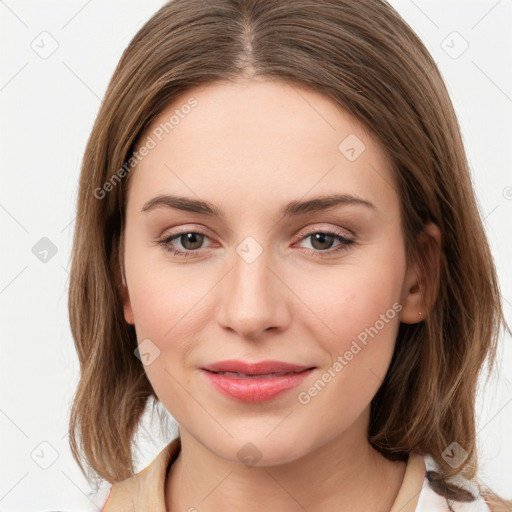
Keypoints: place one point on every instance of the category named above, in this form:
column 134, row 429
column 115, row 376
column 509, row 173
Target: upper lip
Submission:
column 258, row 368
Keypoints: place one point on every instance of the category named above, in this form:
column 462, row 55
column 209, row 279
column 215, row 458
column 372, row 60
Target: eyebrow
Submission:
column 294, row 208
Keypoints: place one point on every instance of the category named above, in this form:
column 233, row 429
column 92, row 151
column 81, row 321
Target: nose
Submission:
column 254, row 298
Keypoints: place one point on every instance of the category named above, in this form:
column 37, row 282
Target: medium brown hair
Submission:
column 363, row 56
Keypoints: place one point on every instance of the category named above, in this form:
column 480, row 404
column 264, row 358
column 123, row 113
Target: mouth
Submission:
column 249, row 369
column 255, row 382
column 237, row 375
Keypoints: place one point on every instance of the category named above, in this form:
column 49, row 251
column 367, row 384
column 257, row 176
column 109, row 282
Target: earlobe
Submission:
column 421, row 283
column 412, row 300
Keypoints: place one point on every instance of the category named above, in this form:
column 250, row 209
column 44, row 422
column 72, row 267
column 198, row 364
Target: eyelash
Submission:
column 344, row 245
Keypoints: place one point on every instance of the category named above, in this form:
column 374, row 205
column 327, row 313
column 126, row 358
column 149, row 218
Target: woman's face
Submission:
column 266, row 272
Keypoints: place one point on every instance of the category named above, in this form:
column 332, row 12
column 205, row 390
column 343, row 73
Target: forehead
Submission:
column 261, row 141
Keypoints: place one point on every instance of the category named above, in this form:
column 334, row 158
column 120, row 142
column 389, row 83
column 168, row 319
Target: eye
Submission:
column 191, row 241
column 322, row 241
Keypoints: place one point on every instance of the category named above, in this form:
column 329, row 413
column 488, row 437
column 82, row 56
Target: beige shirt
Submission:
column 145, row 491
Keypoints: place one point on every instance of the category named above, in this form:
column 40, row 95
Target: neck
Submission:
column 345, row 474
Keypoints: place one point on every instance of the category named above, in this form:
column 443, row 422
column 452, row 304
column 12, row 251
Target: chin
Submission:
column 258, row 451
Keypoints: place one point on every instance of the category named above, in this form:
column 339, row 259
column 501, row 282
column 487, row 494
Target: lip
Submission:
column 249, row 388
column 258, row 368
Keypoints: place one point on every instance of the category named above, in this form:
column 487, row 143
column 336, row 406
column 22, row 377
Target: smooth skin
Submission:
column 249, row 148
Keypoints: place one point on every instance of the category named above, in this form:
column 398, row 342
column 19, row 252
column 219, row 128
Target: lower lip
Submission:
column 247, row 389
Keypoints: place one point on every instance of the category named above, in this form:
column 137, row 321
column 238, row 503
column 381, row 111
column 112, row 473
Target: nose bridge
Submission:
column 252, row 298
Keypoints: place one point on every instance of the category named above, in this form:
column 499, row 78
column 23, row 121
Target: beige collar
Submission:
column 409, row 492
column 145, row 491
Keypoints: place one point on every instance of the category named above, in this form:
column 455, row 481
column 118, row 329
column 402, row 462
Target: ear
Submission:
column 120, row 276
column 421, row 284
column 125, row 296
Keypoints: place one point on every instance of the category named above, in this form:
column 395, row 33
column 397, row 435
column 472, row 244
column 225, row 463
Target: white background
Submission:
column 47, row 111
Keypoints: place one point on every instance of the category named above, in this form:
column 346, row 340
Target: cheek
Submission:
column 168, row 304
column 168, row 311
column 362, row 313
column 347, row 298
column 372, row 306
column 164, row 297
column 165, row 304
